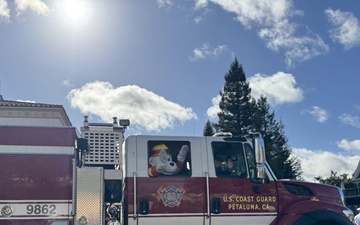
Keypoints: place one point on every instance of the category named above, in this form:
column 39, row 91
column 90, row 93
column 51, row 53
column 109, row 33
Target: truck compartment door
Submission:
column 89, row 195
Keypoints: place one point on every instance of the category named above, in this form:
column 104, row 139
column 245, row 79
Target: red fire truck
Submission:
column 170, row 180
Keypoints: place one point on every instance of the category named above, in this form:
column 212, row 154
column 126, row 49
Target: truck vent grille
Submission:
column 105, row 146
column 298, row 190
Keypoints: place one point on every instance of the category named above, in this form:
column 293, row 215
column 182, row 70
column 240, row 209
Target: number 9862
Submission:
column 42, row 209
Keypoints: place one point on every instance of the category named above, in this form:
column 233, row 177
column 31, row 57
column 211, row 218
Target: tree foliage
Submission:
column 240, row 113
column 235, row 106
column 346, row 183
column 208, row 129
column 341, row 180
column 278, row 152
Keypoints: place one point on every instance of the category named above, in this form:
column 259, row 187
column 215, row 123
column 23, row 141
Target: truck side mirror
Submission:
column 82, row 145
column 259, row 147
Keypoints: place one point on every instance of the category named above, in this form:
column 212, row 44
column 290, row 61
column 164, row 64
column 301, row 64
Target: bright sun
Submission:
column 75, row 12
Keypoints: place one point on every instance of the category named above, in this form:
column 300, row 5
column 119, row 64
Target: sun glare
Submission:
column 75, row 12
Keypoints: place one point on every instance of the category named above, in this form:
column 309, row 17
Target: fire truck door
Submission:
column 170, row 186
column 236, row 197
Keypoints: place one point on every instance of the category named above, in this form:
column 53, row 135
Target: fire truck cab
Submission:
column 218, row 180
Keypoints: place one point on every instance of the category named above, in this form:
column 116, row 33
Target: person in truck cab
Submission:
column 232, row 165
column 223, row 165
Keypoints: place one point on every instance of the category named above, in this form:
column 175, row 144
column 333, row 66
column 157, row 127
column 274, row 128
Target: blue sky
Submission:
column 161, row 64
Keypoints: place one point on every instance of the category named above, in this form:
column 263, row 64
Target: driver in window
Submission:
column 229, row 166
column 223, row 165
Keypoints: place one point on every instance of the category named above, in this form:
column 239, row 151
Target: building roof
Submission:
column 9, row 103
column 356, row 174
column 21, row 105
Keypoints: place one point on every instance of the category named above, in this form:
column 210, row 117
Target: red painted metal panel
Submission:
column 236, row 195
column 244, row 196
column 169, row 195
column 35, row 177
column 40, row 136
column 327, row 195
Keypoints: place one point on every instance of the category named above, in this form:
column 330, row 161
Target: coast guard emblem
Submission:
column 171, row 195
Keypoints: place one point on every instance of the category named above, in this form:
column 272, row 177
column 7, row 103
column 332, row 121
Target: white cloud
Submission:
column 206, row 52
column 198, row 19
column 279, row 88
column 272, row 19
column 4, row 10
column 145, row 109
column 320, row 163
column 214, row 109
column 37, row 6
column 346, row 28
column 165, row 3
column 200, row 4
column 357, row 107
column 320, row 114
column 67, row 83
column 28, row 101
column 259, row 12
column 299, row 49
column 349, row 145
column 350, row 120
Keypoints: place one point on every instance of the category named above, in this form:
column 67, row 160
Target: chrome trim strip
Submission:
column 35, row 218
column 34, row 201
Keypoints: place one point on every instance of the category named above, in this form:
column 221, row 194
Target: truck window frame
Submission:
column 174, row 147
column 229, row 152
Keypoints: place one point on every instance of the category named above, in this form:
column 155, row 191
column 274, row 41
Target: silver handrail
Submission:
column 207, row 195
column 134, row 192
column 74, row 192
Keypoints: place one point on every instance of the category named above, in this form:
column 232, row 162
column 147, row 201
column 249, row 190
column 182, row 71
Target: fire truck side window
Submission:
column 169, row 158
column 229, row 159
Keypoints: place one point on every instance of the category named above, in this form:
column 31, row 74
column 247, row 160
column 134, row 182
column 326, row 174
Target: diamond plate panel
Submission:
column 89, row 196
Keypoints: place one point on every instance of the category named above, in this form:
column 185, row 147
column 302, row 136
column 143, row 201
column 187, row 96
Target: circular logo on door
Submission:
column 171, row 195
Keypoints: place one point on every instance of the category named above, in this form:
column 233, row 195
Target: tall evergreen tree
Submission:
column 285, row 165
column 208, row 129
column 235, row 106
column 239, row 114
column 278, row 152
